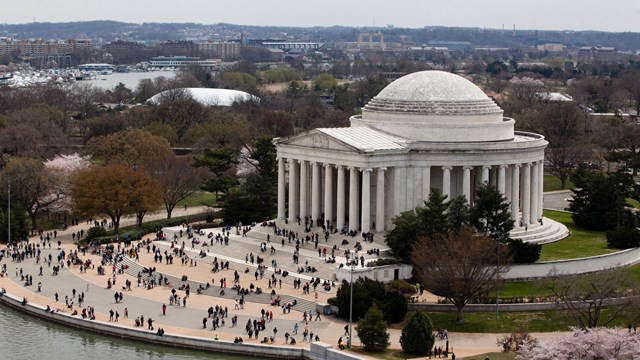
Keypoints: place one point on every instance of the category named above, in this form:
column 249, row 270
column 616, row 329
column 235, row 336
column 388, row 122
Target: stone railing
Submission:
column 579, row 266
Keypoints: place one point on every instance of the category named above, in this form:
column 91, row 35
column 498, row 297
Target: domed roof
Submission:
column 433, row 93
column 205, row 96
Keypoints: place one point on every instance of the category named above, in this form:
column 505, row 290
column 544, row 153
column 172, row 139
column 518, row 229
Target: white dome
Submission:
column 436, row 106
column 433, row 92
column 206, row 96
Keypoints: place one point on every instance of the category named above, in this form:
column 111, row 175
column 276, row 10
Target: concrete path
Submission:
column 188, row 320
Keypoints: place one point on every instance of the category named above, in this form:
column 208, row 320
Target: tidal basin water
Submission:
column 25, row 338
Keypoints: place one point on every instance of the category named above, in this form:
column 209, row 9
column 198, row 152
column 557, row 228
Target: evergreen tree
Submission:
column 459, row 212
column 599, row 201
column 434, row 216
column 417, row 335
column 404, row 235
column 365, row 292
column 372, row 331
column 490, row 214
column 219, row 162
column 431, row 220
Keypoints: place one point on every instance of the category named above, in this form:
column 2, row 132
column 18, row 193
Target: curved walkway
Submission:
column 188, row 320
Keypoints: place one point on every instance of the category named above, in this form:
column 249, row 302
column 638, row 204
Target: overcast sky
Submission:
column 607, row 15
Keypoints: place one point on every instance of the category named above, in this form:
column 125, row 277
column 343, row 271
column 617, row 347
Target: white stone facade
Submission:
column 419, row 132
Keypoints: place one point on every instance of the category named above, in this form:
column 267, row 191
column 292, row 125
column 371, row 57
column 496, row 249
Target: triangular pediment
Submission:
column 317, row 140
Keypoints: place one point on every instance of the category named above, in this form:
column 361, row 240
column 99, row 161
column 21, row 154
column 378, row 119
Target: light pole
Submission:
column 353, row 266
column 9, row 210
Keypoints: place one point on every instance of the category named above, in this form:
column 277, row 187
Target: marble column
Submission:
column 365, row 223
column 426, row 183
column 380, row 200
column 526, row 193
column 340, row 199
column 315, row 191
column 485, row 174
column 304, row 181
column 446, row 181
column 466, row 182
column 281, row 190
column 292, row 191
column 354, row 206
column 328, row 193
column 502, row 179
column 533, row 213
column 541, row 189
column 515, row 193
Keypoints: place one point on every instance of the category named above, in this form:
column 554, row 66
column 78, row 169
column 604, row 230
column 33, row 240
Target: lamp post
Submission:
column 353, row 266
column 8, row 211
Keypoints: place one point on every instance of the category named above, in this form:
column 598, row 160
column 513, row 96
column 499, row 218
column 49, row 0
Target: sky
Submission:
column 608, row 15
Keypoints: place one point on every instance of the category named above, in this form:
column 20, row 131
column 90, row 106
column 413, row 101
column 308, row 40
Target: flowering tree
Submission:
column 63, row 168
column 593, row 344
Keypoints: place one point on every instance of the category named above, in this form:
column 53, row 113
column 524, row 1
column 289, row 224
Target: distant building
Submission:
column 551, row 47
column 181, row 61
column 597, row 53
column 177, row 48
column 205, row 96
column 126, row 52
column 220, row 50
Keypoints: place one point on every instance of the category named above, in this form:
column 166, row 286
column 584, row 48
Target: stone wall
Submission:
column 383, row 274
column 574, row 266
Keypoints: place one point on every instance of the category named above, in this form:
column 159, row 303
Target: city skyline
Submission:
column 526, row 15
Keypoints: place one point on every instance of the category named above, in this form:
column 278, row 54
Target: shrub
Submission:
column 523, row 252
column 417, row 336
column 394, row 306
column 95, row 232
column 403, row 286
column 372, row 331
column 382, row 262
column 623, row 238
column 367, row 292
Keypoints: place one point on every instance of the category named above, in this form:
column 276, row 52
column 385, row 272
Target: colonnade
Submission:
column 321, row 191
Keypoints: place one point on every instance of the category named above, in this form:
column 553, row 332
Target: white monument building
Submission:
column 426, row 129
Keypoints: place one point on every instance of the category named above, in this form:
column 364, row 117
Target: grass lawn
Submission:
column 198, row 198
column 552, row 183
column 581, row 243
column 521, row 289
column 486, row 322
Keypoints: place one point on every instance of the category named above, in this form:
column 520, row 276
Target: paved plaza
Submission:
column 188, row 320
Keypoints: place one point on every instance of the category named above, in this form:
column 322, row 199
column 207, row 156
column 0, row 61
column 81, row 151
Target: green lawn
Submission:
column 552, row 183
column 486, row 322
column 198, row 198
column 581, row 243
column 521, row 289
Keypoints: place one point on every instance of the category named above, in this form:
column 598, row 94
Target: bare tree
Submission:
column 586, row 296
column 177, row 178
column 460, row 267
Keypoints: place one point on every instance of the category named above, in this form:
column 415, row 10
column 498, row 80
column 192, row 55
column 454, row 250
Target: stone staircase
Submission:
column 549, row 232
column 265, row 298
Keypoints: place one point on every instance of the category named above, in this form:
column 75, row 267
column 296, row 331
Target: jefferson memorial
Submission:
column 429, row 129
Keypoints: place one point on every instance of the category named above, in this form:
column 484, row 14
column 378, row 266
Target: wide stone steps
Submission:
column 265, row 298
column 549, row 232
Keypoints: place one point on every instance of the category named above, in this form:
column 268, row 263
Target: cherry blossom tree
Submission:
column 62, row 168
column 592, row 344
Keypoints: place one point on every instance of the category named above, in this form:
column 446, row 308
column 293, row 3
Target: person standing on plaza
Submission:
column 164, row 309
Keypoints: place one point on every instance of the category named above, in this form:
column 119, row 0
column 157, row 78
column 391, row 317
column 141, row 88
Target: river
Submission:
column 25, row 337
column 130, row 79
